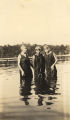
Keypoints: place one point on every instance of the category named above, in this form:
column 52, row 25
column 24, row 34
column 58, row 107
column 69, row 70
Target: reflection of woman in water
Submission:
column 25, row 91
column 50, row 68
column 24, row 66
column 40, row 100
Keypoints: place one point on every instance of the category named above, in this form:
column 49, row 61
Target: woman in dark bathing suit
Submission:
column 39, row 69
column 50, row 68
column 24, row 67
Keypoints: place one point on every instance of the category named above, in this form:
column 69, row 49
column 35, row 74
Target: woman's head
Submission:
column 23, row 48
column 46, row 48
column 38, row 49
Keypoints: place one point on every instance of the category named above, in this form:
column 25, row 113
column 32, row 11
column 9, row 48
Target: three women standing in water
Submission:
column 43, row 64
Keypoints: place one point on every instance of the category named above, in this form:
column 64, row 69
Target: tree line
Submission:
column 13, row 51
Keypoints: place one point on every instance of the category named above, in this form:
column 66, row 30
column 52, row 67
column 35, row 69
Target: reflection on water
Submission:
column 40, row 88
column 12, row 93
column 25, row 91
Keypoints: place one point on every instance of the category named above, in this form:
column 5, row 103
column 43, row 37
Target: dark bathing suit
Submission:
column 49, row 61
column 25, row 65
column 39, row 71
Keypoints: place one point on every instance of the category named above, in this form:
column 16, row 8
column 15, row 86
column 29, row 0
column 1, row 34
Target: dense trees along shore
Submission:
column 7, row 51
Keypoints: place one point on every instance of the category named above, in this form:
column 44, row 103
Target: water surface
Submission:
column 14, row 103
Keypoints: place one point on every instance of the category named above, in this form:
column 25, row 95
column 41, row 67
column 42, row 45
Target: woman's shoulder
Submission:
column 22, row 55
column 51, row 53
column 19, row 56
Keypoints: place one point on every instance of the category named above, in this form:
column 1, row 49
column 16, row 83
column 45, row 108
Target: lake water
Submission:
column 14, row 105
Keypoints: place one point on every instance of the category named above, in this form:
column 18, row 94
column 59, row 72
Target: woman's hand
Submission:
column 52, row 67
column 22, row 73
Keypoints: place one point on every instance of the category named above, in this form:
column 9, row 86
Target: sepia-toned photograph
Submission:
column 34, row 59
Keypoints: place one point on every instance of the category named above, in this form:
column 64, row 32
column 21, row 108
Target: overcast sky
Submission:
column 35, row 21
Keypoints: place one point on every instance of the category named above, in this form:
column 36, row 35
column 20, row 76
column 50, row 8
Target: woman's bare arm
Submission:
column 19, row 57
column 52, row 67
